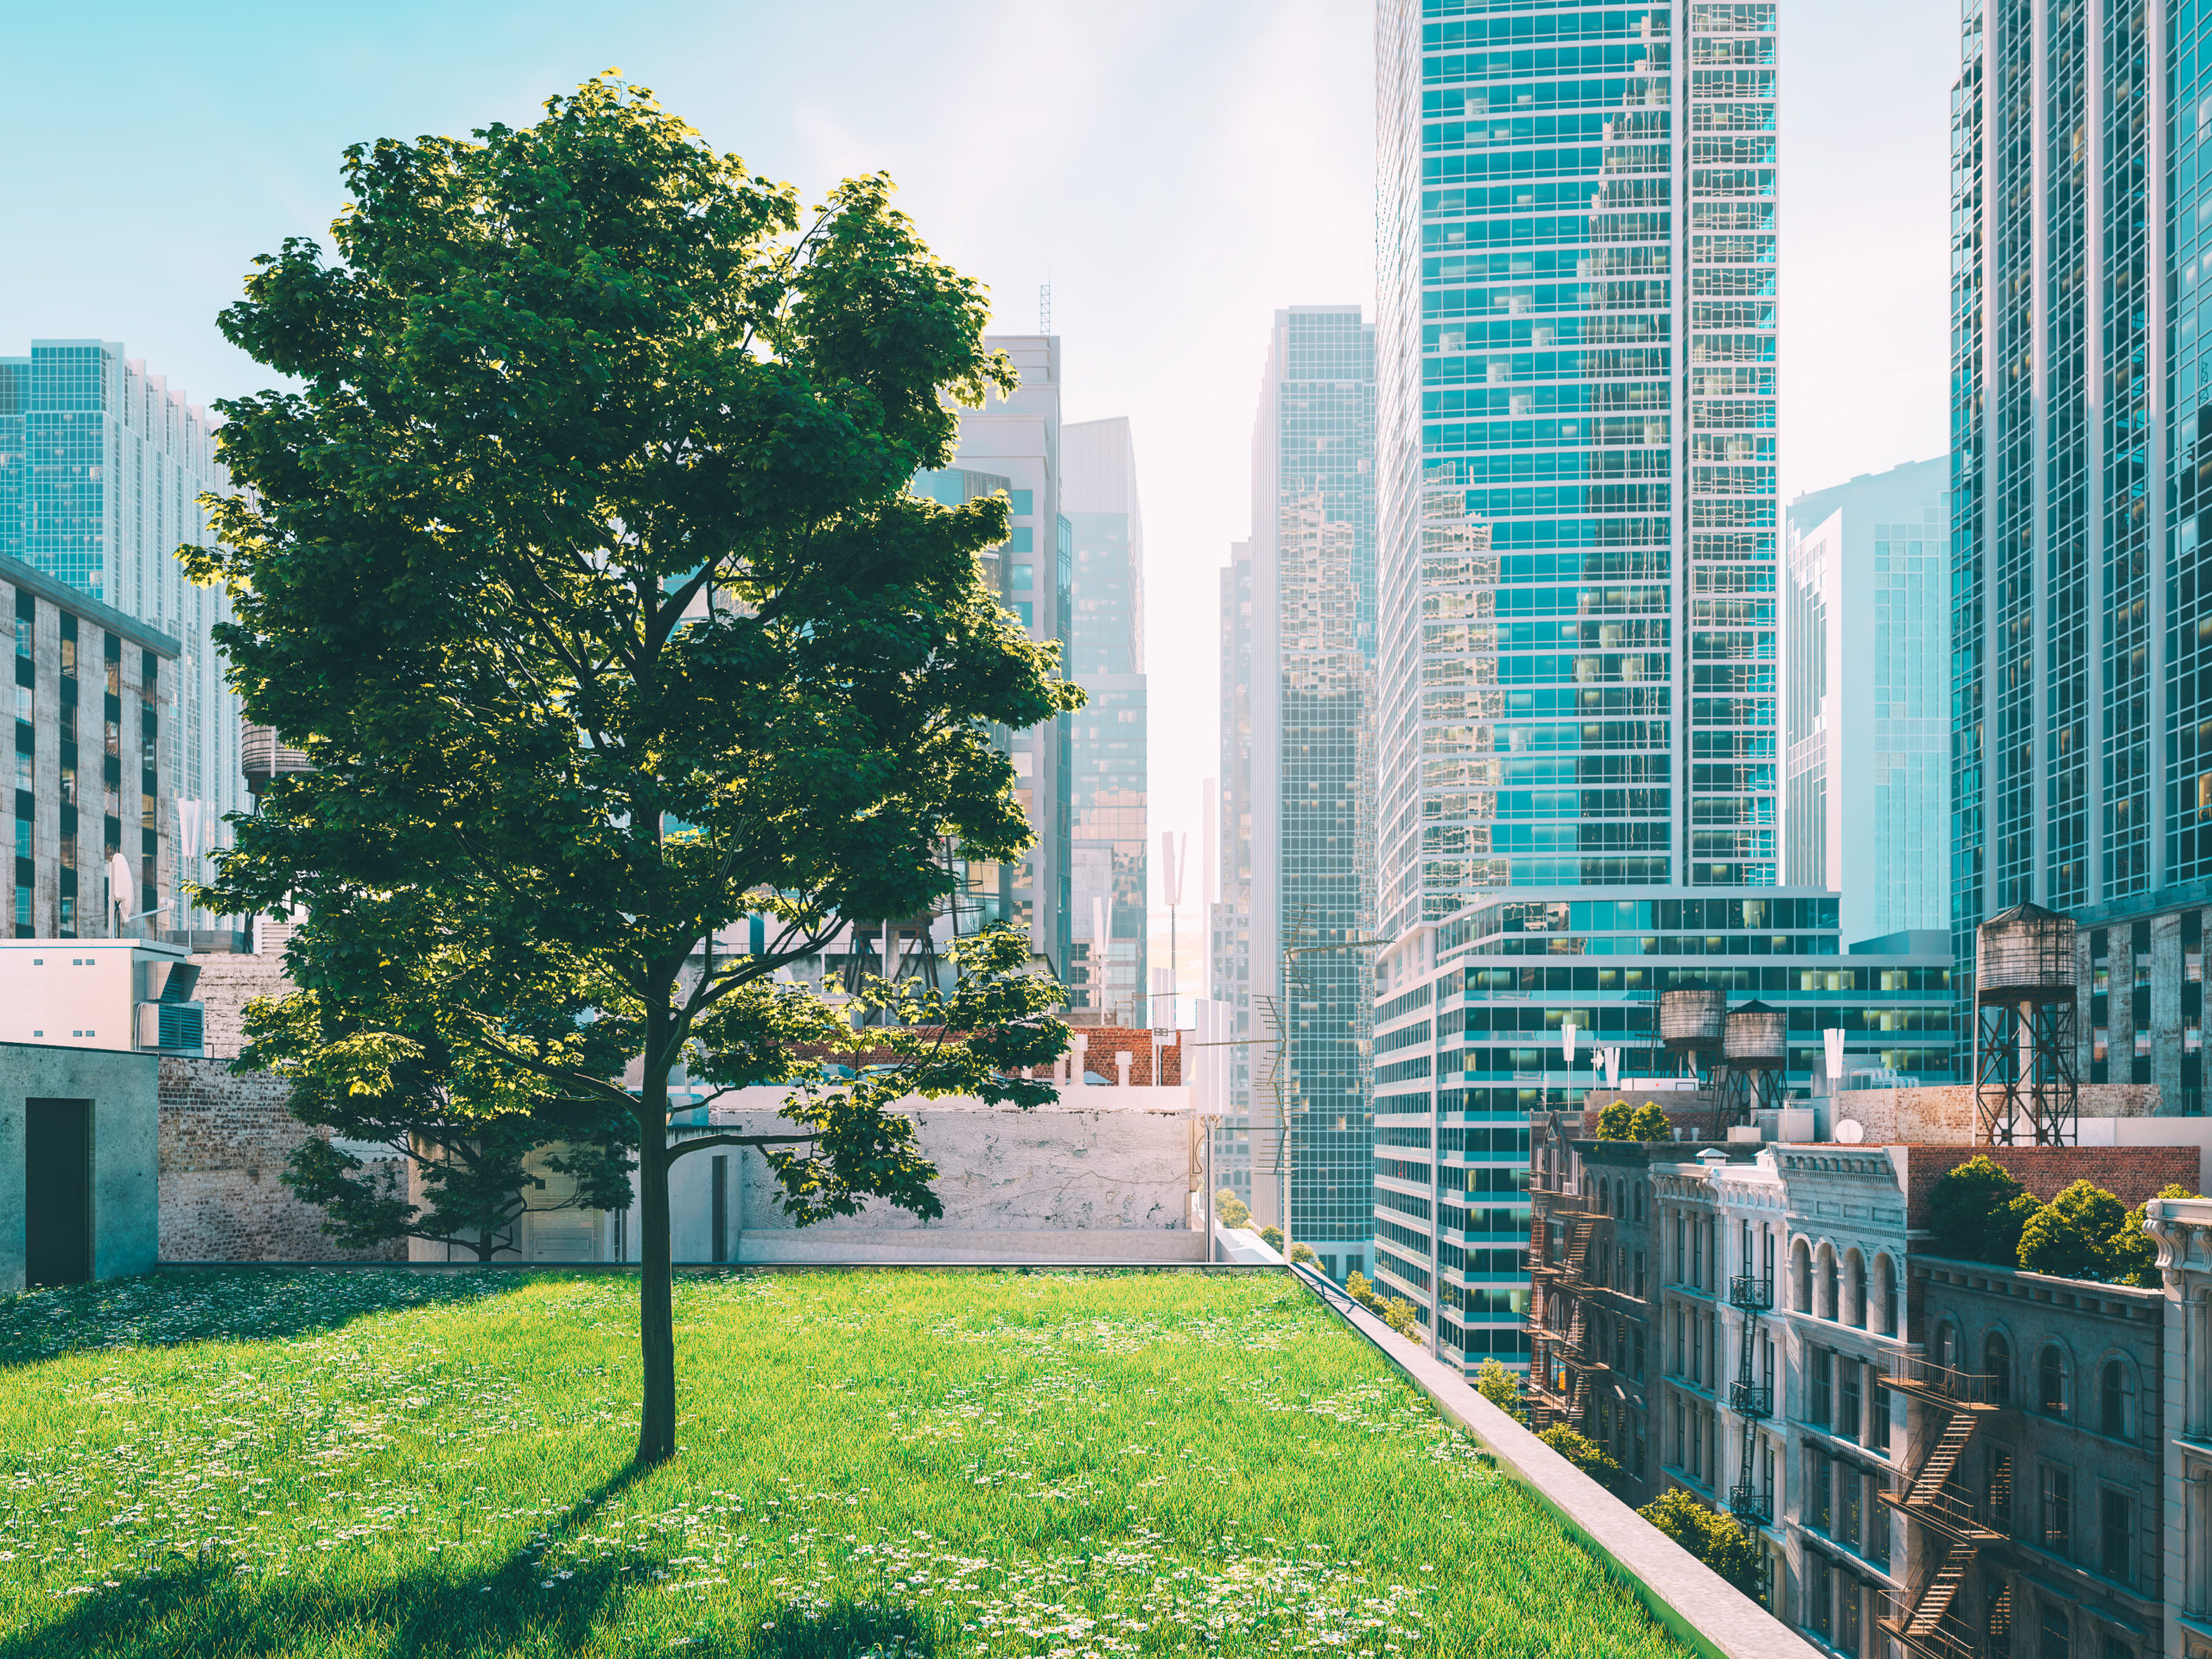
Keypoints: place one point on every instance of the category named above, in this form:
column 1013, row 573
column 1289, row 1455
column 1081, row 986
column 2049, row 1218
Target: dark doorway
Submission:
column 58, row 1191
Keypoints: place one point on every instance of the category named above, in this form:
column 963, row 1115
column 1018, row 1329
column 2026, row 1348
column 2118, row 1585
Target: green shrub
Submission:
column 2085, row 1233
column 1582, row 1451
column 1304, row 1255
column 1398, row 1313
column 1651, row 1123
column 1359, row 1288
column 1976, row 1213
column 1713, row 1537
column 1499, row 1385
column 1614, row 1121
column 1271, row 1236
column 2069, row 1237
column 1230, row 1210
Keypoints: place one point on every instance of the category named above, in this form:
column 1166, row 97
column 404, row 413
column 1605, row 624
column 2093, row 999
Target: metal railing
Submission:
column 1750, row 1506
column 1752, row 1294
column 1752, row 1399
column 1948, row 1382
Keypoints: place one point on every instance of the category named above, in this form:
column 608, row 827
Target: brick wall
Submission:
column 2129, row 1173
column 1106, row 1041
column 224, row 1140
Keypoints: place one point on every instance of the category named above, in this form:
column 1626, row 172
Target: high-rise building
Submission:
column 1576, row 353
column 1229, row 920
column 1311, row 788
column 2081, row 455
column 1579, row 549
column 1106, row 852
column 1866, row 722
column 102, row 468
column 1012, row 443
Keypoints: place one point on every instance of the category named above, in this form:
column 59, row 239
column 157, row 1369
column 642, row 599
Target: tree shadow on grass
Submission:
column 169, row 1309
column 207, row 1610
column 201, row 1609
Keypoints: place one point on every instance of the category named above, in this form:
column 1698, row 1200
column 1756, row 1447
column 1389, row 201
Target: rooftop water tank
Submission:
column 1757, row 1038
column 2025, row 955
column 1693, row 1015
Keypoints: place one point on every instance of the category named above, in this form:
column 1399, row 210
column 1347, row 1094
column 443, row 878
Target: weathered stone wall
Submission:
column 224, row 1140
column 228, row 983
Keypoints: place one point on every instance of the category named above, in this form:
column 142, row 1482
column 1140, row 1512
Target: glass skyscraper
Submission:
column 101, row 471
column 1578, row 545
column 1107, row 831
column 1867, row 727
column 2082, row 472
column 1309, row 816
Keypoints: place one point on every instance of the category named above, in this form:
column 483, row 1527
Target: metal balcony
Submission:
column 1750, row 1506
column 1753, row 1295
column 1752, row 1399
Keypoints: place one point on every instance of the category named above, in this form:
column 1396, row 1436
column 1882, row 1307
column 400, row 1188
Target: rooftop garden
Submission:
column 1020, row 1464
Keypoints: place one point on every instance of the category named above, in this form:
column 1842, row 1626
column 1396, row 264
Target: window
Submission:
column 1821, row 1406
column 1697, row 1253
column 1639, row 1366
column 2050, row 1380
column 2057, row 1636
column 1997, row 1361
column 1855, row 1309
column 1639, row 1208
column 1827, row 1308
column 2118, row 1385
column 1997, row 1486
column 1639, row 1273
column 1846, row 1522
column 1878, row 1417
column 1877, row 1522
column 1822, row 1574
column 2116, row 1529
column 2057, row 1511
column 1023, row 501
column 1820, row 1489
column 1681, row 1251
column 1846, row 1416
column 1024, row 577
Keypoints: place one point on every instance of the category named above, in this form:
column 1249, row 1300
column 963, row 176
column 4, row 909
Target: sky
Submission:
column 1176, row 169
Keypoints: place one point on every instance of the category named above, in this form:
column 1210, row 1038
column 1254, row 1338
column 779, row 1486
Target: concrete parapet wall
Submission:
column 224, row 1139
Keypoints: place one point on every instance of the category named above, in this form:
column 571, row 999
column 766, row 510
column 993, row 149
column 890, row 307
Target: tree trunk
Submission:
column 656, row 1314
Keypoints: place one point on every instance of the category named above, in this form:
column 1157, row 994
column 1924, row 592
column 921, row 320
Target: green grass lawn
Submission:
column 896, row 1463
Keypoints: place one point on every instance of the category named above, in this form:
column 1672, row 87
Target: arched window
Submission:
column 1885, row 1290
column 1639, row 1200
column 1944, row 1350
column 2052, row 1380
column 1854, row 1307
column 2117, row 1399
column 1997, row 1362
column 1801, row 1277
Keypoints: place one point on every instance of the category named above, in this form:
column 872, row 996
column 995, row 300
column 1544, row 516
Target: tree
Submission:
column 2085, row 1232
column 1976, row 1212
column 2067, row 1237
column 2131, row 1256
column 1713, row 1537
column 1499, row 1385
column 1230, row 1210
column 1651, row 1123
column 1584, row 1453
column 1614, row 1119
column 583, row 565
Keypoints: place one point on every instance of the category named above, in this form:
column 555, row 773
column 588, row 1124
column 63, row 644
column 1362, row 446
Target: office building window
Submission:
column 2116, row 1520
column 2057, row 1511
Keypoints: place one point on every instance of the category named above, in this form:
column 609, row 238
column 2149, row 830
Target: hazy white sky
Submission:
column 1177, row 169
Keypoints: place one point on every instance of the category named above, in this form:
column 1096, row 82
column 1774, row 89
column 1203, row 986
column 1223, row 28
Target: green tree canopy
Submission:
column 1715, row 1539
column 1976, row 1212
column 1614, row 1119
column 2069, row 1236
column 1651, row 1123
column 1584, row 1453
column 583, row 564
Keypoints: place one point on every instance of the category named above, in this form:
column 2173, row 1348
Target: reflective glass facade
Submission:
column 101, row 471
column 1580, row 555
column 1866, row 744
column 1468, row 1019
column 1107, row 845
column 1311, row 778
column 2081, row 704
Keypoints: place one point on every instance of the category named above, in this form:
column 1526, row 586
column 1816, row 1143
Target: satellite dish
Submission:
column 1850, row 1131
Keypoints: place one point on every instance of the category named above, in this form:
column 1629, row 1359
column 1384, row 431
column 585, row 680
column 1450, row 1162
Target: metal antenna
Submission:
column 1044, row 306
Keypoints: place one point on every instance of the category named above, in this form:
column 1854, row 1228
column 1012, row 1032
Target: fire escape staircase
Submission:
column 1935, row 1496
column 1753, row 1401
column 1566, row 1346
